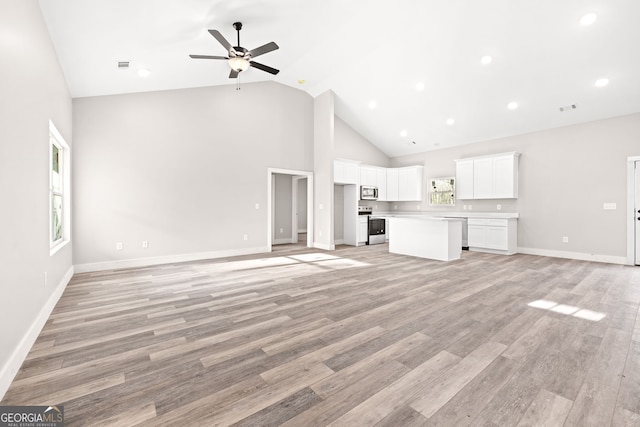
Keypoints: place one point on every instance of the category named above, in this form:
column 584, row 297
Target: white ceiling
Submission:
column 378, row 50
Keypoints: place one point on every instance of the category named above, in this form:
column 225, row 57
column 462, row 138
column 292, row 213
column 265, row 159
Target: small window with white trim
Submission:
column 59, row 203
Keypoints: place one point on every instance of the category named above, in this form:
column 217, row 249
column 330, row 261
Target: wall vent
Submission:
column 123, row 64
column 568, row 108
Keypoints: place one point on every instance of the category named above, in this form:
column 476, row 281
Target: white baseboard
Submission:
column 169, row 259
column 10, row 369
column 575, row 255
column 324, row 246
column 286, row 241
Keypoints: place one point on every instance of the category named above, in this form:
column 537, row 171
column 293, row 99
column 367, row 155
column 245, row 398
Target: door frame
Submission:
column 294, row 173
column 632, row 163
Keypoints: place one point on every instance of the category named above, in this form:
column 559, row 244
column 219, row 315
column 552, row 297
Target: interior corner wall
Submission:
column 349, row 144
column 324, row 153
column 33, row 92
column 283, row 208
column 565, row 175
column 184, row 170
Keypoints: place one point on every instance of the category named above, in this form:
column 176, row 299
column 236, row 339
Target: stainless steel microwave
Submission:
column 368, row 193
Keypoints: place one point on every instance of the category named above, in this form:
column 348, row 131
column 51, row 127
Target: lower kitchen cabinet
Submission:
column 493, row 235
column 363, row 230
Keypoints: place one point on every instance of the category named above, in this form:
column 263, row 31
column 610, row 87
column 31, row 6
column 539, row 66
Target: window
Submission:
column 58, row 189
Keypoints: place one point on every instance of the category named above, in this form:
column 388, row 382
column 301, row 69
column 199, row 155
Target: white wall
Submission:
column 566, row 174
column 283, row 208
column 33, row 91
column 302, row 205
column 349, row 144
column 323, row 149
column 182, row 169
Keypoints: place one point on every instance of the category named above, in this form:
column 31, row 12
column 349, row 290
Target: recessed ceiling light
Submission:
column 420, row 86
column 588, row 19
column 601, row 82
column 403, row 133
column 372, row 104
column 143, row 72
column 486, row 60
column 301, row 81
column 512, row 105
column 450, row 121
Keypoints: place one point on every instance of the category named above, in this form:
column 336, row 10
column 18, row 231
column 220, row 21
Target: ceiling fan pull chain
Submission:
column 238, row 82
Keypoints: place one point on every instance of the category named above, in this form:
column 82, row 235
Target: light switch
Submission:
column 610, row 206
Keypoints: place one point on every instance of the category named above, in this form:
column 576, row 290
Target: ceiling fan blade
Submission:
column 207, row 57
column 263, row 67
column 233, row 74
column 216, row 34
column 263, row 49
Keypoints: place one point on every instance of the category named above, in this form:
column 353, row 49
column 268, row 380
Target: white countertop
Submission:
column 439, row 214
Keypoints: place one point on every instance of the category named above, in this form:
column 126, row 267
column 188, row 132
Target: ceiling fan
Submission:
column 240, row 59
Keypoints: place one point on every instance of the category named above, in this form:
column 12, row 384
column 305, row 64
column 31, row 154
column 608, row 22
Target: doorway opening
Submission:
column 290, row 207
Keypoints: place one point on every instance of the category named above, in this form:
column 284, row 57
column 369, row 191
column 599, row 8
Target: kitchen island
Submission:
column 426, row 237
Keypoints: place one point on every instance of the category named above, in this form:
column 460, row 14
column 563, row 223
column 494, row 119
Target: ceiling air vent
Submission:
column 568, row 108
column 123, row 65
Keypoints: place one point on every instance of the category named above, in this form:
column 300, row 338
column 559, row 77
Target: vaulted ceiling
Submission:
column 409, row 75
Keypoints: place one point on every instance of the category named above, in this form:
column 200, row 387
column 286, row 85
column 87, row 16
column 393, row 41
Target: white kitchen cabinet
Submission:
column 392, row 185
column 363, row 230
column 345, row 172
column 369, row 176
column 493, row 235
column 381, row 181
column 410, row 183
column 464, row 179
column 488, row 177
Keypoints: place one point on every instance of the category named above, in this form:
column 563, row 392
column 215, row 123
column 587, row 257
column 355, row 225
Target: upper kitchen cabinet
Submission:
column 392, row 185
column 345, row 172
column 409, row 184
column 488, row 177
column 369, row 176
column 381, row 174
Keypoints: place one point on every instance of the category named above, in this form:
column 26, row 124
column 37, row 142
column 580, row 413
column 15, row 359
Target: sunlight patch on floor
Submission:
column 569, row 310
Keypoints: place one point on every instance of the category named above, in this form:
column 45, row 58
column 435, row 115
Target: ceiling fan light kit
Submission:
column 239, row 58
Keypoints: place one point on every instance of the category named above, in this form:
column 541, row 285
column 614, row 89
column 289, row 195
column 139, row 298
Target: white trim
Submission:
column 574, row 255
column 326, row 247
column 631, row 218
column 309, row 176
column 169, row 259
column 10, row 369
column 285, row 241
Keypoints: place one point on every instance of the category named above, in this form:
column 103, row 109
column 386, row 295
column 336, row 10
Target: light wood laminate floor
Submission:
column 352, row 337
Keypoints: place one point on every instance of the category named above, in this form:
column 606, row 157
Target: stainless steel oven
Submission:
column 377, row 230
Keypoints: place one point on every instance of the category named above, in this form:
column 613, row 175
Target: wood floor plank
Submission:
column 456, row 378
column 547, row 409
column 596, row 401
column 399, row 393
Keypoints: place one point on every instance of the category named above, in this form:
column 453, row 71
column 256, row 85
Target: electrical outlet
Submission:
column 319, row 233
column 499, row 207
column 395, row 206
column 145, row 244
column 119, row 246
column 281, row 230
column 257, row 206
column 565, row 239
column 464, row 207
column 245, row 237
column 470, row 207
column 418, row 207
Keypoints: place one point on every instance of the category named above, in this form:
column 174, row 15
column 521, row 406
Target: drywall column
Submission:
column 323, row 155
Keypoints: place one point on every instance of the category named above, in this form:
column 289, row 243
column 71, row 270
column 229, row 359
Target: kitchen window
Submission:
column 59, row 203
